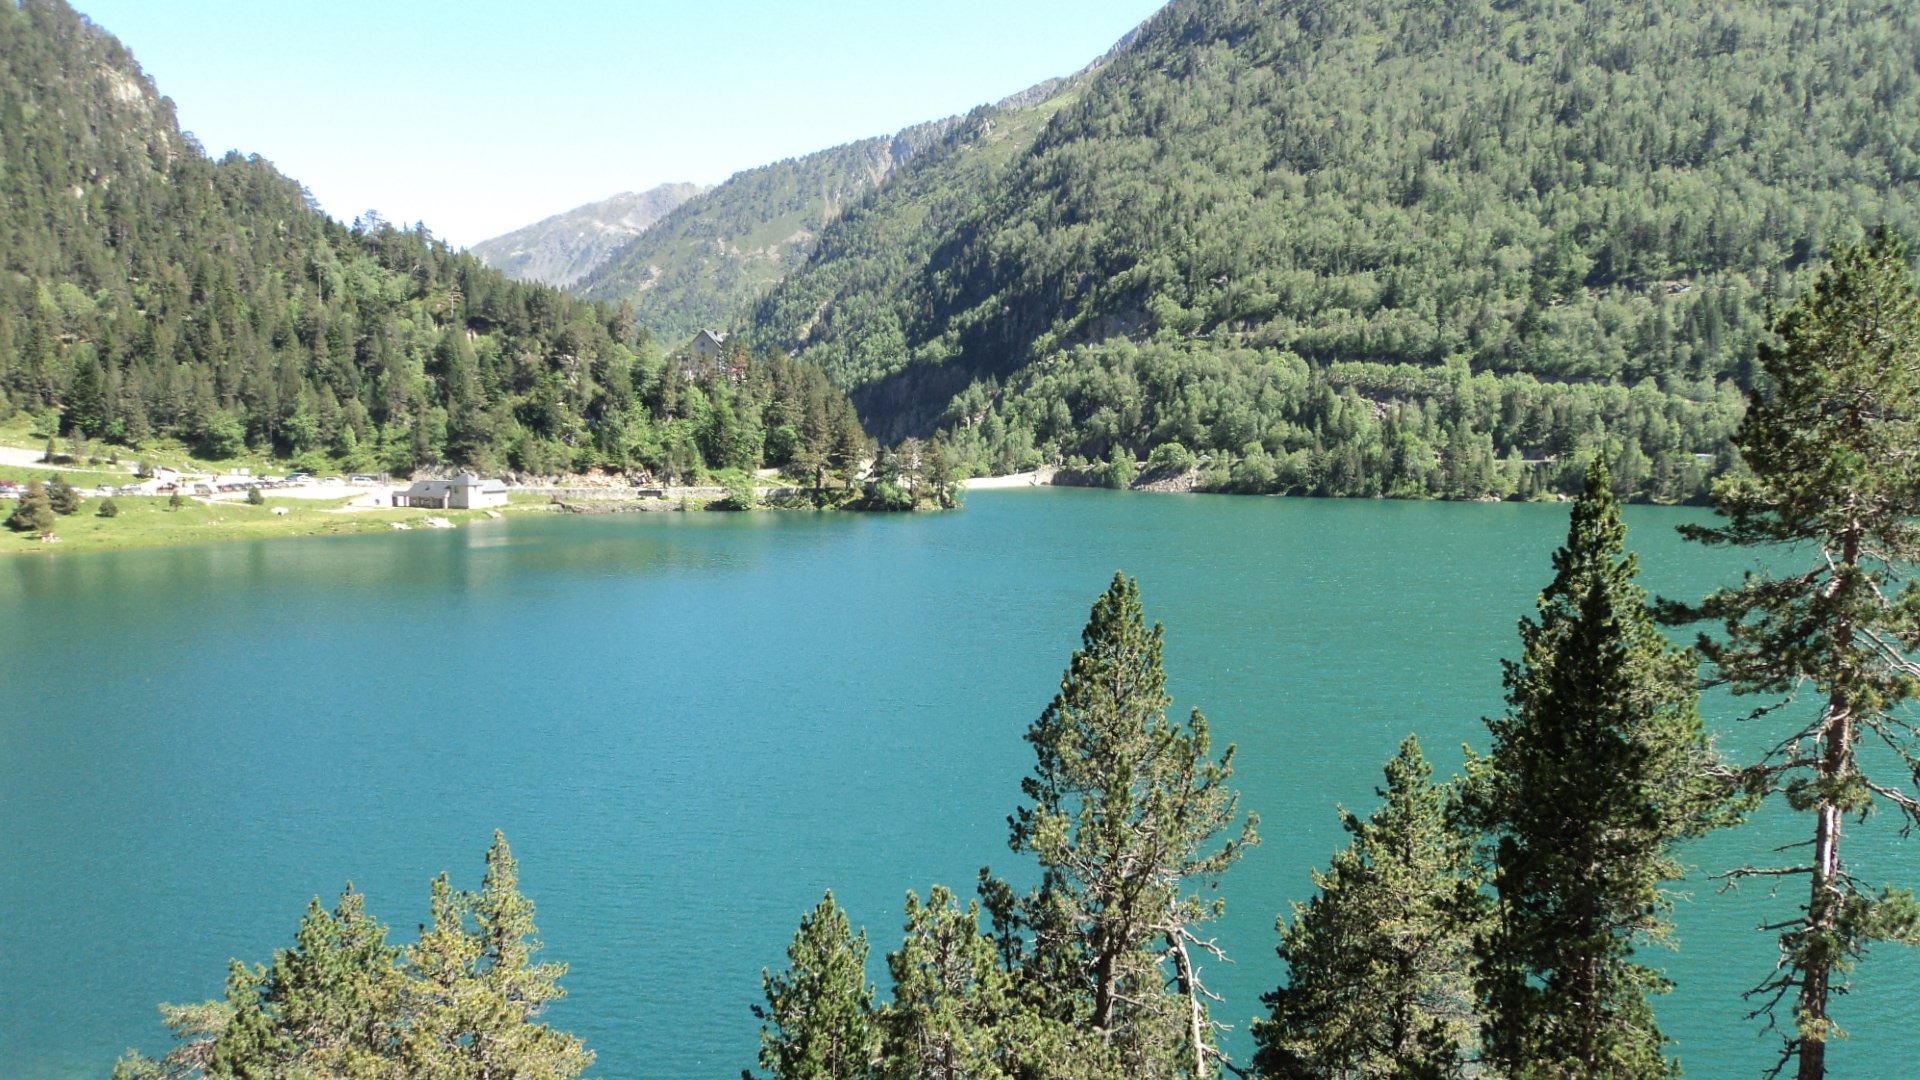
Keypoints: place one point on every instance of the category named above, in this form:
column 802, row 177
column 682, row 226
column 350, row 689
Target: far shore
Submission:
column 1034, row 478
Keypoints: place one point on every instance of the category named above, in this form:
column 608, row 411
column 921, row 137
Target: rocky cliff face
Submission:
column 567, row 247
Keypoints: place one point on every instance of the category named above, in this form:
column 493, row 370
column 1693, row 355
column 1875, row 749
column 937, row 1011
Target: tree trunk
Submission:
column 1103, row 993
column 1836, row 761
column 1822, row 902
column 1196, row 1013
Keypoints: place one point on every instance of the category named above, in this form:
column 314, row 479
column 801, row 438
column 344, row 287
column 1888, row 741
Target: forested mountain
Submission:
column 148, row 292
column 1379, row 247
column 711, row 259
column 716, row 253
column 566, row 247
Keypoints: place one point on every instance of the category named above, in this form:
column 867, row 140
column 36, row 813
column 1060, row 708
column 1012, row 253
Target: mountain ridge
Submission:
column 561, row 249
column 708, row 260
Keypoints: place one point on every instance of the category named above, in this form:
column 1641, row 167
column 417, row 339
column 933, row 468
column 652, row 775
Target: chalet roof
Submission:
column 469, row 480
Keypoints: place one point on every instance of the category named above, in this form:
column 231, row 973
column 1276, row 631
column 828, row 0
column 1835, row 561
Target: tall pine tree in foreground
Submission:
column 1833, row 445
column 1380, row 963
column 1599, row 767
column 1129, row 814
column 479, row 993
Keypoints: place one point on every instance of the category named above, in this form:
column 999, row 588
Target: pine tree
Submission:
column 1380, row 965
column 86, row 407
column 343, row 1004
column 819, row 1016
column 481, row 991
column 948, row 1019
column 33, row 513
column 1599, row 767
column 1127, row 817
column 330, row 1006
column 1832, row 449
column 194, row 1028
column 61, row 496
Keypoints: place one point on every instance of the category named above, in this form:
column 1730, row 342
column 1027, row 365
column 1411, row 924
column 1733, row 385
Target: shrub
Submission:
column 108, row 508
column 1170, row 457
column 254, row 498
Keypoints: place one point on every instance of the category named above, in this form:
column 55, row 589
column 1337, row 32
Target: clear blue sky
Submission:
column 479, row 116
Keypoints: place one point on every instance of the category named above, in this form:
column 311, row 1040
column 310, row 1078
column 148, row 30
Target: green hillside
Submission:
column 148, row 293
column 1380, row 247
column 699, row 265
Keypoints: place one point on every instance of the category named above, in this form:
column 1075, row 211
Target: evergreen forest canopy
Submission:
column 712, row 255
column 1386, row 247
column 150, row 293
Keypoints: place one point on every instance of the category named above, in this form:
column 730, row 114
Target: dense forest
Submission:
column 148, row 292
column 1310, row 220
column 698, row 265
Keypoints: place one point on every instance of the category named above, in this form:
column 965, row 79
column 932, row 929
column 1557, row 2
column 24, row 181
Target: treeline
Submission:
column 148, row 293
column 1603, row 193
column 1265, row 421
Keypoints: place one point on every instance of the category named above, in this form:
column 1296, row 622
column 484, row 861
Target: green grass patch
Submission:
column 80, row 478
column 148, row 521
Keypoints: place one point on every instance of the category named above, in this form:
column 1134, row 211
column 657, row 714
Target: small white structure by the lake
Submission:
column 463, row 492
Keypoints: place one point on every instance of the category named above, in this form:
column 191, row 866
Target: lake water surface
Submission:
column 689, row 726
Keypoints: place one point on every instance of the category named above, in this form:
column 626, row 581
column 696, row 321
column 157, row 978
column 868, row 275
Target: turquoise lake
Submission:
column 689, row 726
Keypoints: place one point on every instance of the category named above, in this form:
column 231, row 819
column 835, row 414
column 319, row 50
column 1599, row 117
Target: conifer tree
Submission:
column 330, row 1006
column 194, row 1028
column 952, row 1000
column 1380, row 964
column 819, row 1016
column 1128, row 816
column 343, row 1004
column 33, row 513
column 1834, row 451
column 1599, row 767
column 61, row 496
column 481, row 991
